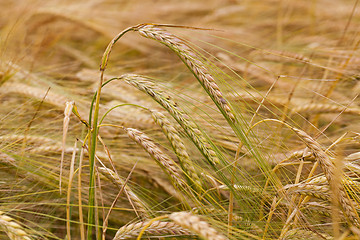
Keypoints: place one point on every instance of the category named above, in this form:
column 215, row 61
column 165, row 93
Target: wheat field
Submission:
column 218, row 119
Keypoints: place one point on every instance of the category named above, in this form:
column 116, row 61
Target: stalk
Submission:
column 93, row 141
column 94, row 133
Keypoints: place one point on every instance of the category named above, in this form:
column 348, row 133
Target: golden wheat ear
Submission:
column 157, row 228
column 192, row 61
column 166, row 163
column 178, row 147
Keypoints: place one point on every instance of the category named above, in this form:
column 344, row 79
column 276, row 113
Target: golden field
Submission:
column 179, row 119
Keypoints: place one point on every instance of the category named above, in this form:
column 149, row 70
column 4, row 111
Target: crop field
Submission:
column 214, row 120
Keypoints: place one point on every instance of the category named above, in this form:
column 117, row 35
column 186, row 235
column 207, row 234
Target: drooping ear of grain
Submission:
column 165, row 162
column 193, row 62
column 178, row 147
column 194, row 134
column 157, row 228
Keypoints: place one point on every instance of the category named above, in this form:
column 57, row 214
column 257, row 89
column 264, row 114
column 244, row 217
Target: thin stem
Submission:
column 81, row 219
column 105, row 224
column 68, row 197
column 93, row 141
column 94, row 132
column 120, row 105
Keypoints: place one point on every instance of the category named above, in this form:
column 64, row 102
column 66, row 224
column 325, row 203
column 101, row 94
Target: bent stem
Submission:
column 94, row 132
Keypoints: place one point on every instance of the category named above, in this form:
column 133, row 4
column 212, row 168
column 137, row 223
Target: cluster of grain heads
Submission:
column 195, row 225
column 329, row 170
column 186, row 54
column 14, row 230
column 157, row 228
column 192, row 131
column 178, row 147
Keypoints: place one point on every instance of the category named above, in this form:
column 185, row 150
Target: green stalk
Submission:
column 93, row 141
column 94, row 132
